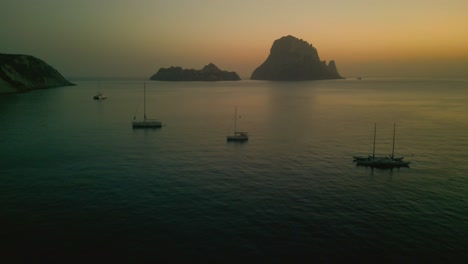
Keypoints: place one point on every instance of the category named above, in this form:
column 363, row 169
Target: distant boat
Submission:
column 145, row 123
column 359, row 78
column 381, row 162
column 238, row 136
column 99, row 96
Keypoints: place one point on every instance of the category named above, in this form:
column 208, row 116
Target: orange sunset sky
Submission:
column 105, row 38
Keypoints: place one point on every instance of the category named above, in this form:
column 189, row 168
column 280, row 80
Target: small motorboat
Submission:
column 99, row 96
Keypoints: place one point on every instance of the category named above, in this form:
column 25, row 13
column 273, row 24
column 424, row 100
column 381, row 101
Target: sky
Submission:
column 134, row 38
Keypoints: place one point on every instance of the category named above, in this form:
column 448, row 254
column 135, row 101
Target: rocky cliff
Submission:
column 19, row 73
column 293, row 59
column 209, row 73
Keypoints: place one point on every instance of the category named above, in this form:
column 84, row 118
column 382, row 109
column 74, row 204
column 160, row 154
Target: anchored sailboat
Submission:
column 99, row 95
column 238, row 136
column 382, row 162
column 146, row 122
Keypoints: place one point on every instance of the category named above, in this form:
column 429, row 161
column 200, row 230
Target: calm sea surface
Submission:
column 77, row 181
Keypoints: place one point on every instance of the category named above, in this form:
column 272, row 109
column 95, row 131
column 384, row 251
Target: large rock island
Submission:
column 209, row 73
column 293, row 59
column 20, row 73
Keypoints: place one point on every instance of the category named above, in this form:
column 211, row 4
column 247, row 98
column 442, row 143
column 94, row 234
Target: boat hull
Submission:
column 363, row 158
column 382, row 163
column 237, row 138
column 146, row 124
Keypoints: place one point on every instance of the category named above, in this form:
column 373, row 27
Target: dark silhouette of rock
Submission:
column 209, row 73
column 20, row 73
column 293, row 59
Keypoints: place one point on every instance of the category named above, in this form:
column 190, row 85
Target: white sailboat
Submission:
column 99, row 95
column 146, row 122
column 238, row 135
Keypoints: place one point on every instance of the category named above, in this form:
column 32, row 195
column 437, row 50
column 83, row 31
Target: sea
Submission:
column 77, row 183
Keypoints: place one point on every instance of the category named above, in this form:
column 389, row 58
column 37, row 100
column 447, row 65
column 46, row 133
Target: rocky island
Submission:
column 293, row 59
column 209, row 73
column 20, row 73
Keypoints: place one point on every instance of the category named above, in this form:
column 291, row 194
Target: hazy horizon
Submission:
column 135, row 38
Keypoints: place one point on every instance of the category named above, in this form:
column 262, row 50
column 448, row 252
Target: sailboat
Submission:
column 145, row 123
column 99, row 95
column 382, row 162
column 238, row 136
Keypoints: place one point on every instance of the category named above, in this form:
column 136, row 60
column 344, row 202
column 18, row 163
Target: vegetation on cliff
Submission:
column 209, row 73
column 19, row 73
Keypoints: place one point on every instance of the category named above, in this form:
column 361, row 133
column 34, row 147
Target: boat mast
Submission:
column 144, row 100
column 375, row 132
column 393, row 148
column 235, row 119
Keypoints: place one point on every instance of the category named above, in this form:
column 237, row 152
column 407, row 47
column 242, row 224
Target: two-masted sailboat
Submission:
column 146, row 122
column 382, row 162
column 238, row 136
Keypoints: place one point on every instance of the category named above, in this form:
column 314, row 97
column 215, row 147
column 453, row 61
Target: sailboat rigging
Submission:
column 146, row 122
column 381, row 162
column 238, row 136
